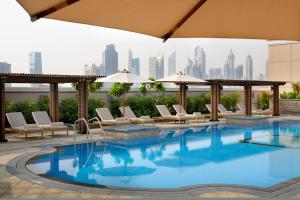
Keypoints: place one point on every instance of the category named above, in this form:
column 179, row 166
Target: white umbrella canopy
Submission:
column 123, row 77
column 181, row 78
column 252, row 19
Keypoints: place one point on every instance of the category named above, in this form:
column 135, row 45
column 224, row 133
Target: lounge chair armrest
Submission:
column 145, row 117
column 120, row 118
column 197, row 114
column 57, row 124
column 180, row 115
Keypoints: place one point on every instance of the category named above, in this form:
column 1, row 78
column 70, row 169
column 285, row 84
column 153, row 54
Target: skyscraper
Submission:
column 156, row 67
column 172, row 64
column 231, row 66
column 239, row 72
column 215, row 73
column 35, row 62
column 5, row 67
column 133, row 64
column 110, row 60
column 226, row 71
column 200, row 62
column 248, row 71
column 94, row 69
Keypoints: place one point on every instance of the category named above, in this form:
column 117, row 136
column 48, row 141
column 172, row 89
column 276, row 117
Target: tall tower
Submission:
column 231, row 67
column 133, row 64
column 110, row 60
column 160, row 67
column 152, row 67
column 248, row 72
column 200, row 63
column 35, row 62
column 130, row 60
column 172, row 64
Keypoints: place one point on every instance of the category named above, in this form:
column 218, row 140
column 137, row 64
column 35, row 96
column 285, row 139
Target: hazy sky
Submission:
column 66, row 47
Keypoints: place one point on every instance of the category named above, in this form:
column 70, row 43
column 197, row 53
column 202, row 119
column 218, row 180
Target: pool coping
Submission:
column 17, row 167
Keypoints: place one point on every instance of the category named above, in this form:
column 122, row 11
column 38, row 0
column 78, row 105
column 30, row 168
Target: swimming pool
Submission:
column 258, row 157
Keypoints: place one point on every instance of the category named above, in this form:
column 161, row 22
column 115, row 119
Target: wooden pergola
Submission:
column 217, row 84
column 53, row 80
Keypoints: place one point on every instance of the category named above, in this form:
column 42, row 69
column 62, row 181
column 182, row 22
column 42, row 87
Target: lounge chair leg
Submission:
column 26, row 135
column 52, row 132
column 67, row 132
column 42, row 133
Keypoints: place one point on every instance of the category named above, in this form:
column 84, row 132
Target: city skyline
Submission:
column 67, row 51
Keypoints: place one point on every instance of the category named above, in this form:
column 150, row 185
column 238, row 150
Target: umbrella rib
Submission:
column 53, row 9
column 183, row 20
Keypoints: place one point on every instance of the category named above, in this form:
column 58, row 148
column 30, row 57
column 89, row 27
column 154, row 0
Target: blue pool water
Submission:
column 218, row 154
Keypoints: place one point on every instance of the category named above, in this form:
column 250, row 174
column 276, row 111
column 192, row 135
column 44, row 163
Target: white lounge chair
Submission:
column 43, row 120
column 129, row 114
column 196, row 115
column 208, row 107
column 223, row 110
column 165, row 114
column 107, row 118
column 254, row 111
column 19, row 124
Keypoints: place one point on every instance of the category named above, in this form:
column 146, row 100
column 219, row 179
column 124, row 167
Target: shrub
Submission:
column 197, row 103
column 289, row 95
column 92, row 105
column 27, row 107
column 230, row 101
column 263, row 100
column 68, row 110
column 43, row 103
column 142, row 106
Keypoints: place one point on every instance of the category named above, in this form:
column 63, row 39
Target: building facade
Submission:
column 94, row 69
column 133, row 64
column 172, row 64
column 35, row 62
column 110, row 60
column 248, row 70
column 156, row 67
column 239, row 72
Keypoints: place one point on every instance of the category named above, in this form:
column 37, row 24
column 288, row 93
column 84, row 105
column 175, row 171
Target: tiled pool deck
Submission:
column 17, row 184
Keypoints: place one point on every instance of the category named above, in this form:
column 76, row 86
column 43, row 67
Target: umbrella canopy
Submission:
column 123, row 77
column 257, row 19
column 181, row 78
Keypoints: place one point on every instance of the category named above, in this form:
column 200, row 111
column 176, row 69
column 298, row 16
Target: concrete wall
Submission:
column 284, row 62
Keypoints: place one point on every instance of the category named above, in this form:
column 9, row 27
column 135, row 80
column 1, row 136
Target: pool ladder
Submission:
column 89, row 133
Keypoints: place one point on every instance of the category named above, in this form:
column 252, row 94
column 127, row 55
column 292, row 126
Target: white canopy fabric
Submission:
column 181, row 78
column 252, row 19
column 123, row 77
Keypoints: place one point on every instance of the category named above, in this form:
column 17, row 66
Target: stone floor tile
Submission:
column 65, row 195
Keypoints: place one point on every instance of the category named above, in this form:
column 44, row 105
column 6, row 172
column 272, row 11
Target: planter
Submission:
column 290, row 106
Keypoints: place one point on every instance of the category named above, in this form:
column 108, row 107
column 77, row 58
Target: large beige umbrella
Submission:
column 257, row 19
column 182, row 80
column 123, row 77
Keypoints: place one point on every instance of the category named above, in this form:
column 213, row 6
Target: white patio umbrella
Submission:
column 123, row 77
column 182, row 80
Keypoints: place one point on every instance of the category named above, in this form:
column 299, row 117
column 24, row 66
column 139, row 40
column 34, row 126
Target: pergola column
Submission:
column 276, row 111
column 82, row 103
column 215, row 90
column 183, row 95
column 2, row 111
column 248, row 99
column 54, row 102
column 219, row 93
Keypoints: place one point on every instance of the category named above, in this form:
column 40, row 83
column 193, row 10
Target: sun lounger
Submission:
column 19, row 124
column 107, row 118
column 165, row 114
column 256, row 111
column 43, row 120
column 208, row 107
column 195, row 115
column 223, row 110
column 129, row 114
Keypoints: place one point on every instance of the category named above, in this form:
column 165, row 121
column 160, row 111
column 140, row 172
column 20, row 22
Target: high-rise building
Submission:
column 5, row 67
column 94, row 69
column 188, row 69
column 172, row 64
column 226, row 71
column 35, row 62
column 156, row 67
column 248, row 70
column 133, row 64
column 110, row 60
column 200, row 62
column 231, row 66
column 239, row 72
column 215, row 73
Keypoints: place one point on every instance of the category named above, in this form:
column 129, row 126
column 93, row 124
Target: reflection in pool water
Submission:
column 181, row 158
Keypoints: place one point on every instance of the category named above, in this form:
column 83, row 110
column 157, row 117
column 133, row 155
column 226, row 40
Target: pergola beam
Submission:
column 215, row 90
column 248, row 99
column 2, row 110
column 54, row 102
